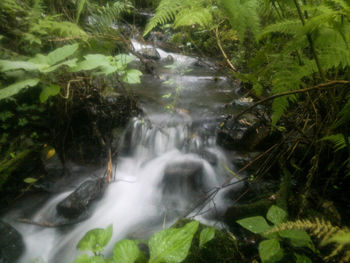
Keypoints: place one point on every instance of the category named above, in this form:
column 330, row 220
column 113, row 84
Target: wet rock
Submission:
column 210, row 157
column 183, row 177
column 11, row 243
column 249, row 133
column 80, row 200
column 150, row 53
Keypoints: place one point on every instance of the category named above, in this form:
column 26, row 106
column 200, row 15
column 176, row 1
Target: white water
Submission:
column 135, row 203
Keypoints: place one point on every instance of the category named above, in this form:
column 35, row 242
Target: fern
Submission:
column 325, row 232
column 80, row 6
column 182, row 13
column 243, row 15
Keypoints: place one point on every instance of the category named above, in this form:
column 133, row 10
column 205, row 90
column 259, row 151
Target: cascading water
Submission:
column 171, row 160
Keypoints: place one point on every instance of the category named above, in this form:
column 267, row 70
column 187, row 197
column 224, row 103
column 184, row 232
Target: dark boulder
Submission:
column 249, row 133
column 11, row 243
column 150, row 53
column 78, row 202
column 183, row 177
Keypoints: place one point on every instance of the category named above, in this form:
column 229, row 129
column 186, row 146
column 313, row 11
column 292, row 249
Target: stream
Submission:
column 172, row 162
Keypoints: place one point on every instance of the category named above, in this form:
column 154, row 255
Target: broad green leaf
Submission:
column 7, row 65
column 297, row 237
column 302, row 258
column 276, row 215
column 206, row 235
column 96, row 239
column 30, row 180
column 172, row 245
column 341, row 238
column 255, row 224
column 71, row 63
column 270, row 251
column 61, row 53
column 126, row 251
column 123, row 60
column 87, row 259
column 132, row 76
column 93, row 61
column 17, row 87
column 49, row 91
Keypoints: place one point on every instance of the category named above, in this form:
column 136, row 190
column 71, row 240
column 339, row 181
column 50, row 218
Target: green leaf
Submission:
column 255, row 224
column 270, row 251
column 30, row 180
column 80, row 7
column 132, row 76
column 167, row 96
column 297, row 237
column 206, row 235
column 302, row 258
column 276, row 215
column 17, row 87
column 62, row 53
column 126, row 251
column 49, row 91
column 96, row 239
column 172, row 245
column 124, row 59
column 92, row 61
column 87, row 259
column 7, row 65
column 71, row 63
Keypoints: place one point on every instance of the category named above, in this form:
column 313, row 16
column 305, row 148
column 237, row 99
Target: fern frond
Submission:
column 80, row 6
column 104, row 17
column 186, row 17
column 337, row 139
column 243, row 15
column 344, row 116
column 182, row 12
column 324, row 231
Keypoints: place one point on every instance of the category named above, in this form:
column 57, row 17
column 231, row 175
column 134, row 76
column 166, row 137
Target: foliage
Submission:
column 170, row 245
column 181, row 13
column 323, row 230
column 270, row 250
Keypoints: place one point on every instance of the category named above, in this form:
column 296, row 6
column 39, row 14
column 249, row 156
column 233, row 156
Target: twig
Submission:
column 223, row 51
column 323, row 85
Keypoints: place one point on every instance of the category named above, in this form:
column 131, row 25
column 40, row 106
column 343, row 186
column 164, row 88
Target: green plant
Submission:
column 270, row 249
column 42, row 66
column 169, row 245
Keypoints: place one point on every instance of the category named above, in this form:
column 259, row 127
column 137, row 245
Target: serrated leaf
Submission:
column 126, row 251
column 96, row 239
column 206, row 235
column 297, row 237
column 49, row 91
column 17, row 87
column 276, row 215
column 132, row 76
column 255, row 224
column 270, row 251
column 172, row 245
column 30, row 180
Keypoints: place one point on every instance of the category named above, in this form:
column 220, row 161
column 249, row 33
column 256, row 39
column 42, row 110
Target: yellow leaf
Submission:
column 50, row 153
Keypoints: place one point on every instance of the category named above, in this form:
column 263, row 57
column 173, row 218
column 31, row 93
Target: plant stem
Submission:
column 311, row 43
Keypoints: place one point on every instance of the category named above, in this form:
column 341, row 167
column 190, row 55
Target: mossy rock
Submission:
column 222, row 248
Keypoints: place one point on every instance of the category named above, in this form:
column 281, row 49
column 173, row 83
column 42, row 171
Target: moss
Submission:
column 222, row 248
